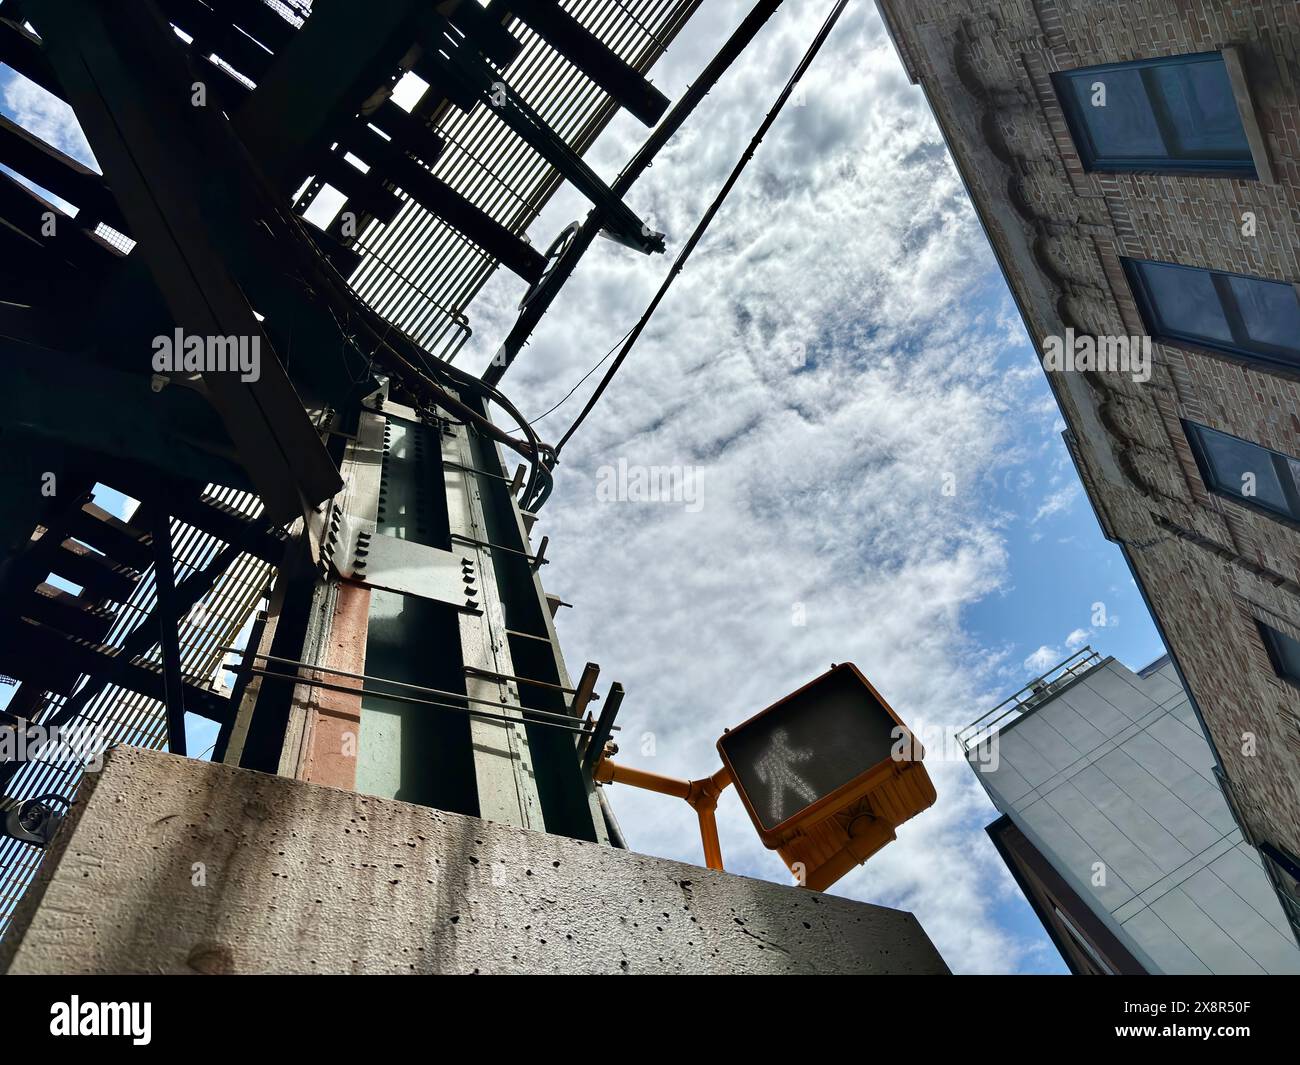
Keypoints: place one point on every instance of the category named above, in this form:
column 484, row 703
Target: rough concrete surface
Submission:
column 177, row 866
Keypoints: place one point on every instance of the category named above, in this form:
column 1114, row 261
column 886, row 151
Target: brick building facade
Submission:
column 1215, row 549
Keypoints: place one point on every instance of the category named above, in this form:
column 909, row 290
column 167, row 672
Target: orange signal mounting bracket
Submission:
column 702, row 795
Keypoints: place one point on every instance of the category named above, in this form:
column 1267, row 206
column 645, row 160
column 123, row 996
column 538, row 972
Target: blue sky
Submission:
column 841, row 343
column 1060, row 565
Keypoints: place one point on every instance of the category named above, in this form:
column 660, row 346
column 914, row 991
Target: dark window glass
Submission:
column 1284, row 652
column 1186, row 302
column 1270, row 312
column 1203, row 116
column 1174, row 114
column 1125, row 127
column 1246, row 316
column 1246, row 472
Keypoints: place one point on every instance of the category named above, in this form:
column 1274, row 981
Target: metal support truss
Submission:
column 461, row 67
column 543, row 294
column 123, row 71
column 168, row 616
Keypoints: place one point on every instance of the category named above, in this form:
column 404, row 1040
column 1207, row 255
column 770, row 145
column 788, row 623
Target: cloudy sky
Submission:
column 875, row 467
column 840, row 347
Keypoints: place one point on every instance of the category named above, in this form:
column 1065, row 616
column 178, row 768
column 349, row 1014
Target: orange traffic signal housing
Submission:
column 827, row 774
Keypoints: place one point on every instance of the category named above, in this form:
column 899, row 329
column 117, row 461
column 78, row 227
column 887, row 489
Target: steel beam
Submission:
column 320, row 79
column 486, row 29
column 593, row 57
column 105, row 532
column 460, row 67
column 110, row 413
column 168, row 618
column 60, row 174
column 329, row 747
column 123, row 71
column 257, row 736
column 571, row 800
column 212, row 33
column 101, row 576
column 258, row 20
column 21, row 50
column 324, row 730
column 503, row 763
column 59, row 658
column 73, row 614
column 364, row 189
column 344, row 258
column 221, row 749
column 409, row 133
column 51, row 662
column 439, row 198
column 68, row 252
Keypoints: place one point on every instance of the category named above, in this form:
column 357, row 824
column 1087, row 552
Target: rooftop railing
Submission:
column 1024, row 701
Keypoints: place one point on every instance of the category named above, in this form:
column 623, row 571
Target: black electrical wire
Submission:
column 703, row 224
column 569, row 395
column 421, row 381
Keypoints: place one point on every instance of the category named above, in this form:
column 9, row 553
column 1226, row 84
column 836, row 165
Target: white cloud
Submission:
column 1059, row 501
column 1077, row 638
column 1042, row 660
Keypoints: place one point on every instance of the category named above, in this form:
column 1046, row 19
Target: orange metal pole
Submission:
column 709, row 835
column 609, row 773
column 701, row 794
column 703, row 797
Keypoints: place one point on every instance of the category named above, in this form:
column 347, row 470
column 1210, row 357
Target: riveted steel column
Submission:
column 534, row 627
column 323, row 735
column 426, row 582
column 503, row 768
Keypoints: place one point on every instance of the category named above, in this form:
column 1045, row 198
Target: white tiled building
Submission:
column 1108, row 775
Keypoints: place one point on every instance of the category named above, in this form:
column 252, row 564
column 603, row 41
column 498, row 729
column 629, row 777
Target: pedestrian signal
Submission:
column 827, row 774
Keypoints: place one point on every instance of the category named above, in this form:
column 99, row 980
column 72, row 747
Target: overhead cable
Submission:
column 704, row 222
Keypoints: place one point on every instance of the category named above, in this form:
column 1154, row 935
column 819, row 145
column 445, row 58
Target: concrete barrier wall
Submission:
column 176, row 866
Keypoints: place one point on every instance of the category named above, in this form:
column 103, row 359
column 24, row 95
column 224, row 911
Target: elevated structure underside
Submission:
column 253, row 505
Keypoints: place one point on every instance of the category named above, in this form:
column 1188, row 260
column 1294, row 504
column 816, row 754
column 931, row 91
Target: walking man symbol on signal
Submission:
column 774, row 769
